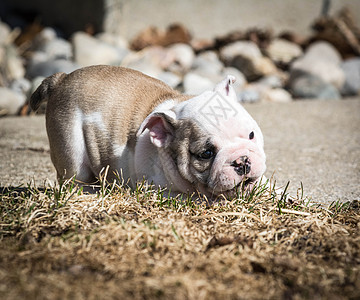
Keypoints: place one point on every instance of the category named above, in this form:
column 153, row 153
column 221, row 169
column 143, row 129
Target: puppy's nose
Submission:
column 242, row 165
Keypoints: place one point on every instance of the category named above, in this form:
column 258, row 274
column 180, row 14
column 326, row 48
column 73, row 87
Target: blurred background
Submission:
column 204, row 18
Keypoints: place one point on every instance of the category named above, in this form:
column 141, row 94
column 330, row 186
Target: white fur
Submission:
column 125, row 165
column 118, row 150
column 79, row 153
column 146, row 161
column 94, row 118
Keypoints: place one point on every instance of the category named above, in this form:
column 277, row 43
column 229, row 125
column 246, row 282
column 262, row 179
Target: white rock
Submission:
column 283, row 51
column 54, row 47
column 147, row 61
column 37, row 57
column 272, row 81
column 10, row 101
column 330, row 73
column 21, row 86
column 145, row 67
column 91, row 51
column 195, row 84
column 240, row 48
column 151, row 60
column 276, row 95
column 324, row 51
column 208, row 64
column 13, row 63
column 351, row 68
column 114, row 40
column 310, row 86
column 49, row 67
column 57, row 48
column 45, row 35
column 323, row 60
column 4, row 33
column 182, row 55
column 169, row 78
column 249, row 95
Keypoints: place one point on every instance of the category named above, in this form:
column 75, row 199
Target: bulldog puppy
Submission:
column 141, row 128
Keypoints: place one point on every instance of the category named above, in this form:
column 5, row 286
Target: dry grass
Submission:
column 62, row 244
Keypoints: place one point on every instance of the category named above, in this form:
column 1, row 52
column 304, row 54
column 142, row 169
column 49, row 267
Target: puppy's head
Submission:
column 211, row 139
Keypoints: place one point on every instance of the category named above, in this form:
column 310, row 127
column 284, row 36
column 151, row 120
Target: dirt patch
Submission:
column 60, row 243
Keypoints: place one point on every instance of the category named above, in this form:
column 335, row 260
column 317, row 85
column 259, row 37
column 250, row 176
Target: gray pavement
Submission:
column 313, row 142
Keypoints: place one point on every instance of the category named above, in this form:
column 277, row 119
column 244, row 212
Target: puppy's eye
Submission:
column 207, row 154
column 251, row 135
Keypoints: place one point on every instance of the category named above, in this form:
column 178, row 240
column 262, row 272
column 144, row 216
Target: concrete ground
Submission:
column 313, row 142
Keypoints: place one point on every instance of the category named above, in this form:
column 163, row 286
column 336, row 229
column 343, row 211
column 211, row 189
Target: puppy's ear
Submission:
column 161, row 127
column 225, row 87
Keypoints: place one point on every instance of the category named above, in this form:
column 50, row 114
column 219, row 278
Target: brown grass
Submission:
column 121, row 244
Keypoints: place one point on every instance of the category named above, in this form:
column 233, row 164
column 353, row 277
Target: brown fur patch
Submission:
column 190, row 141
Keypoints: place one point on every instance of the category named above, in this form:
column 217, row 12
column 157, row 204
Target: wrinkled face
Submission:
column 218, row 162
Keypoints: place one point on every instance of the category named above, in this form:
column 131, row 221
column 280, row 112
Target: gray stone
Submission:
column 195, row 84
column 249, row 95
column 241, row 48
column 91, row 51
column 114, row 40
column 152, row 61
column 323, row 60
column 21, row 86
column 283, row 51
column 182, row 58
column 208, row 64
column 272, row 81
column 10, row 101
column 278, row 95
column 145, row 67
column 169, row 78
column 54, row 47
column 49, row 67
column 351, row 68
column 324, row 51
column 246, row 57
column 305, row 85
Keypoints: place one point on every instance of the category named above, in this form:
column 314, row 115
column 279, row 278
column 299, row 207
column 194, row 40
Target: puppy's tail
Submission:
column 45, row 89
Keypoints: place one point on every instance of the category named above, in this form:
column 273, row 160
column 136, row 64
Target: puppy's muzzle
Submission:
column 242, row 165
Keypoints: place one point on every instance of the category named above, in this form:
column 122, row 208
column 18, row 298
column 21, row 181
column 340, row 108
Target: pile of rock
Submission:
column 267, row 68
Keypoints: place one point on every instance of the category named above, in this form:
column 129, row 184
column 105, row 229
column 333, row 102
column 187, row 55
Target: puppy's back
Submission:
column 122, row 96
